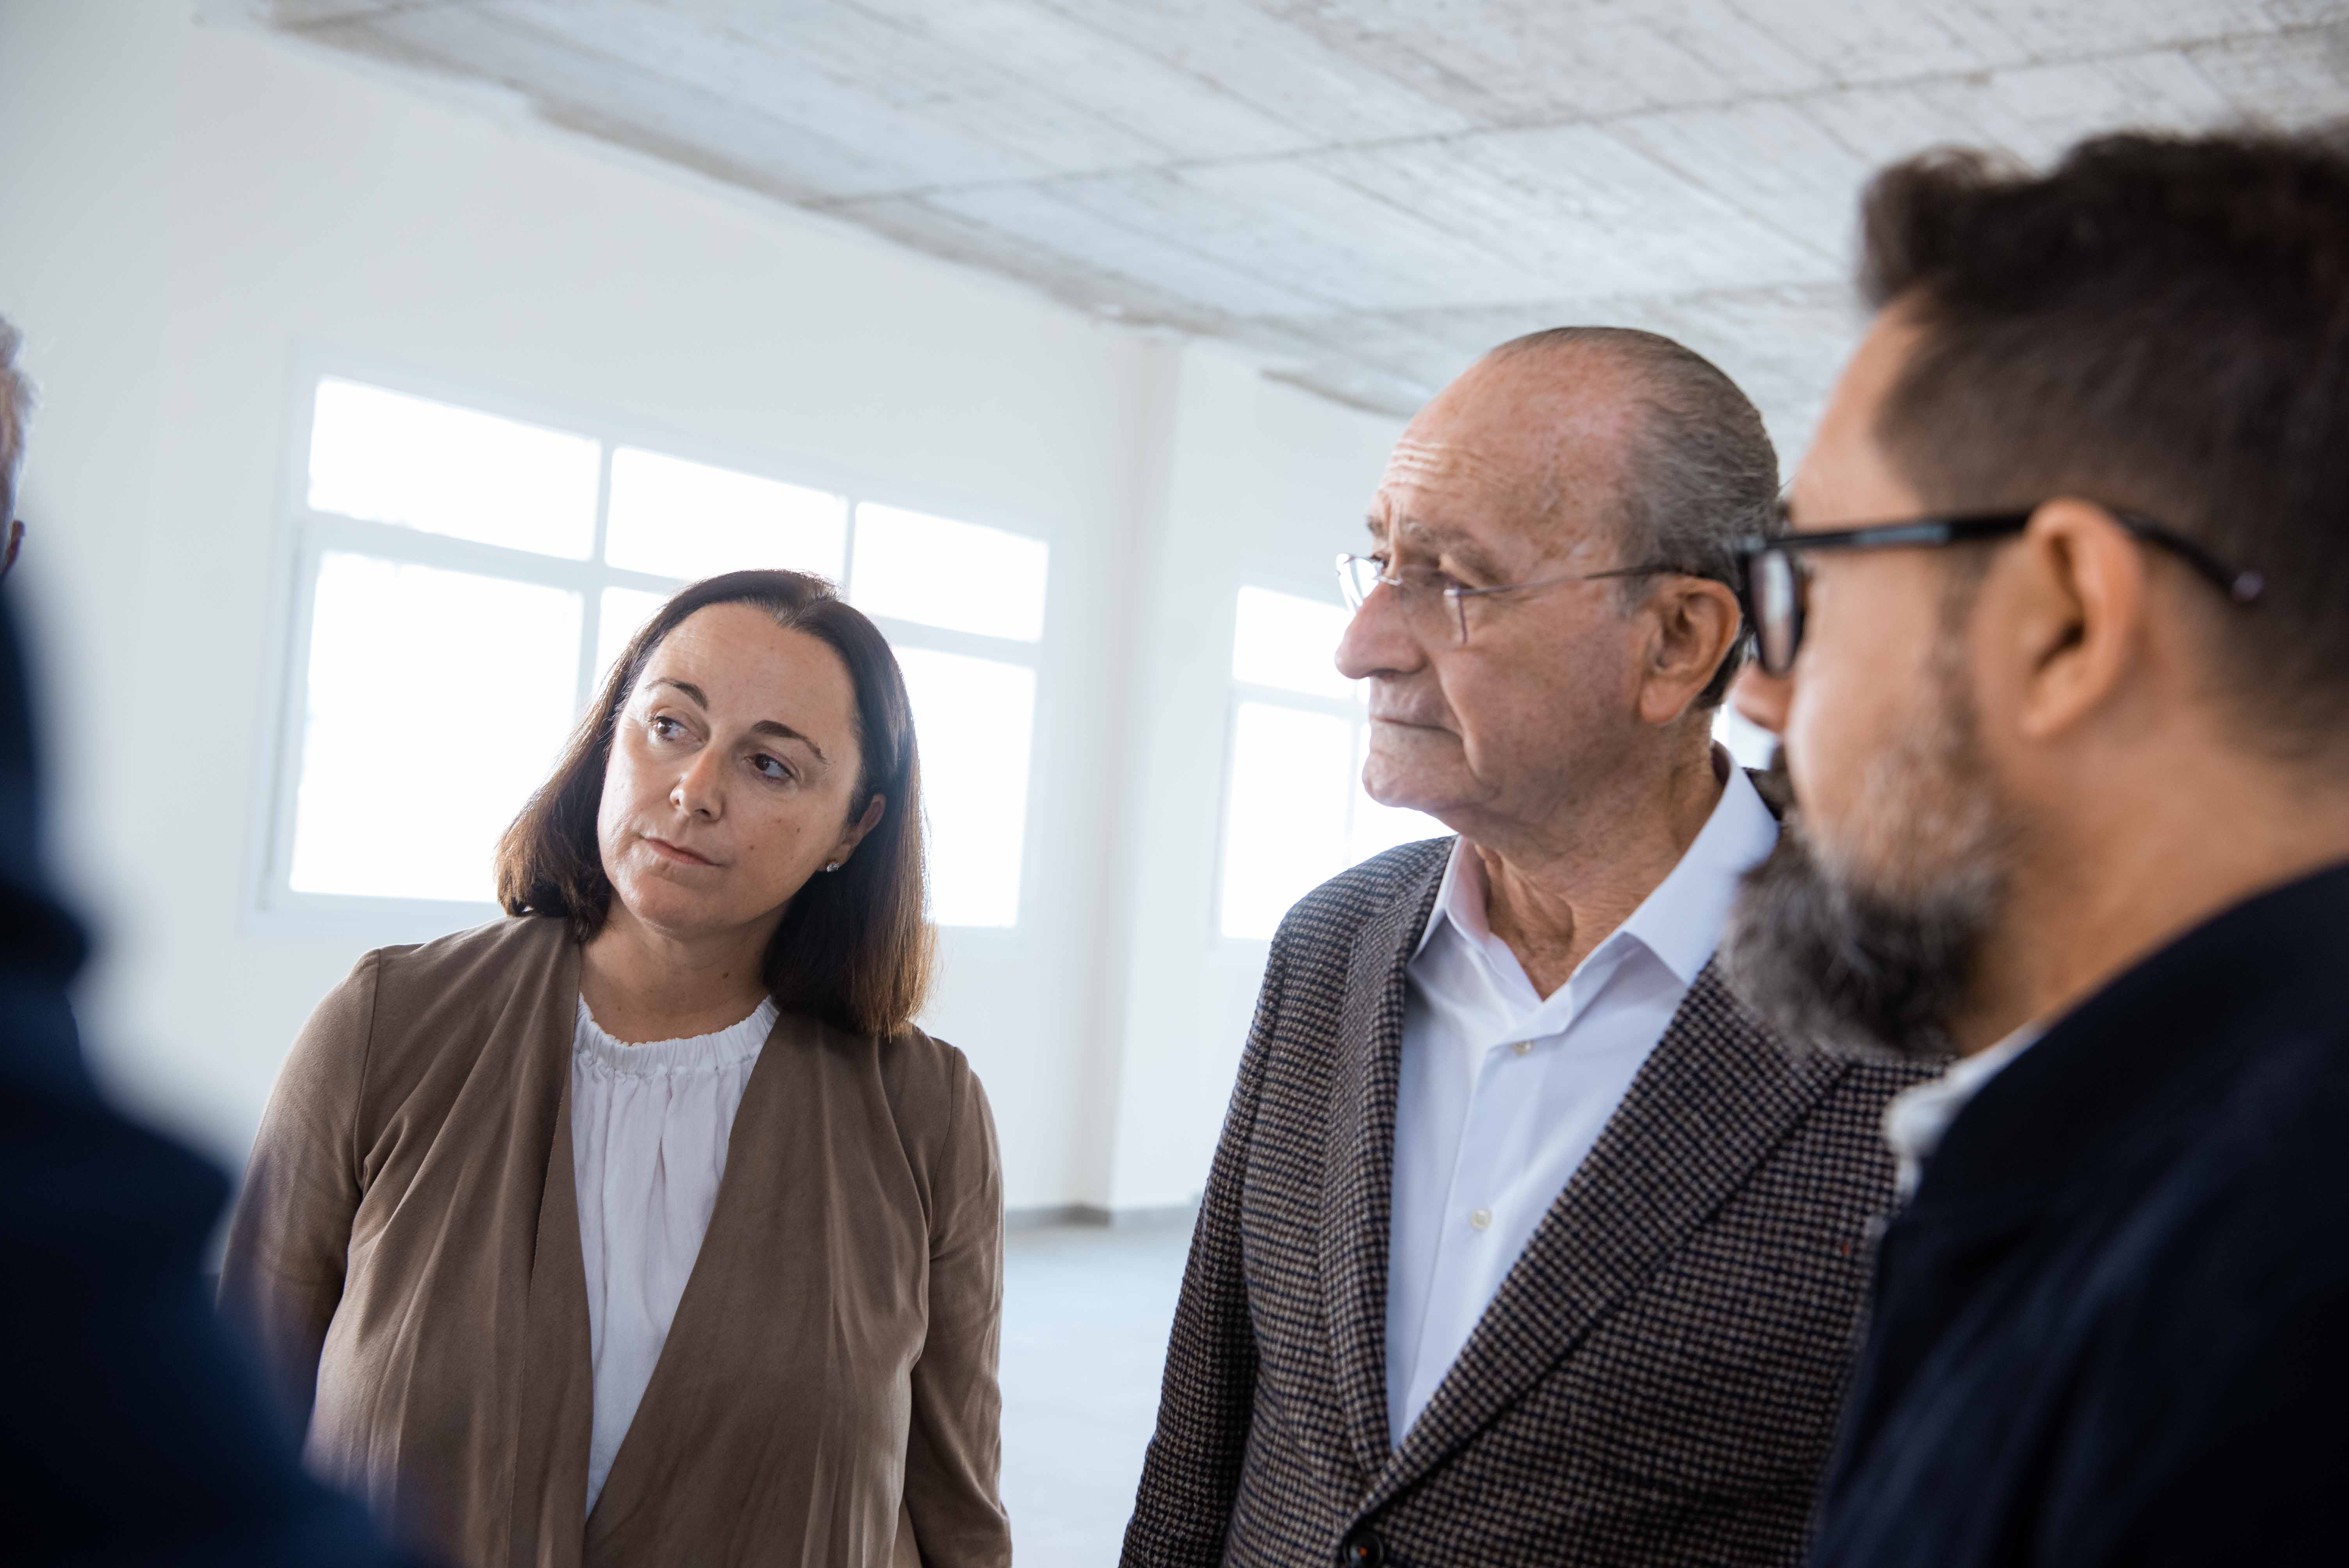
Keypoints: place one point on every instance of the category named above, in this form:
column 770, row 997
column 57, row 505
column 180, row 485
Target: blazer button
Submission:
column 1363, row 1550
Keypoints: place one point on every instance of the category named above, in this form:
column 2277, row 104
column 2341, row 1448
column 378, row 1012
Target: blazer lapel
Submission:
column 1359, row 1160
column 1714, row 1096
column 556, row 1408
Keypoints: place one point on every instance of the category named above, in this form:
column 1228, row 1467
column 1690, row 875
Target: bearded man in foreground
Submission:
column 2059, row 649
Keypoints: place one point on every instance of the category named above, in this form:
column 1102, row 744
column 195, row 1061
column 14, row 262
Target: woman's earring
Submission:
column 832, row 867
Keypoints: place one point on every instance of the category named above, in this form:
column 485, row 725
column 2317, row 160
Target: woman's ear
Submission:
column 855, row 835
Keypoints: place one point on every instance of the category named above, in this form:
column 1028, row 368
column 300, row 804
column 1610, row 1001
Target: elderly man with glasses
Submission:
column 1525, row 1243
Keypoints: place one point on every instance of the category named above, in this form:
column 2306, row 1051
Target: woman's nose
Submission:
column 698, row 790
column 1762, row 698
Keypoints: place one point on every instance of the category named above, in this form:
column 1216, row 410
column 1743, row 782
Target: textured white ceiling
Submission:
column 1366, row 193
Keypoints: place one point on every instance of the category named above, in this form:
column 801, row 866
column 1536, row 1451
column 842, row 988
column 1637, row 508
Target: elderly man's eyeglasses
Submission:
column 1435, row 603
column 1773, row 581
column 9, row 543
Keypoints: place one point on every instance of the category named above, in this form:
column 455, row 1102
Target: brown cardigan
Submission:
column 406, row 1246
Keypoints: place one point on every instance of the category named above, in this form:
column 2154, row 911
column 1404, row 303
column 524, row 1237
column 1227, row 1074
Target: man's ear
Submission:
column 855, row 835
column 2072, row 612
column 1697, row 621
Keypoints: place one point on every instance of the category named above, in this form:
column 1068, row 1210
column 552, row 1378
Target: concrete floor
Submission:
column 1085, row 1315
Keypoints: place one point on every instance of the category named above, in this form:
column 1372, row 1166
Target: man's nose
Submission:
column 1376, row 640
column 1762, row 698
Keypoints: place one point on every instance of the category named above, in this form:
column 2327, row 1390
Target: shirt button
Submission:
column 1522, row 1047
column 1482, row 1219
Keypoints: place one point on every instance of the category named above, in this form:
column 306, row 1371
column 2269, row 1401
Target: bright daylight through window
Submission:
column 1295, row 813
column 467, row 580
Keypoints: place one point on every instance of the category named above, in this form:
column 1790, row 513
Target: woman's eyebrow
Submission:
column 785, row 732
column 775, row 727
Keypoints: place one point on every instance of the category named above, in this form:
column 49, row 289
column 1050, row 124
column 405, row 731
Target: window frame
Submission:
column 1354, row 709
column 304, row 537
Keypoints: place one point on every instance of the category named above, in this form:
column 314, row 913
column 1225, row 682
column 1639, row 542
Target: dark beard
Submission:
column 1857, row 970
column 1880, row 960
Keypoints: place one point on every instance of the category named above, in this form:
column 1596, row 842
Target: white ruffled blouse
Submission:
column 650, row 1126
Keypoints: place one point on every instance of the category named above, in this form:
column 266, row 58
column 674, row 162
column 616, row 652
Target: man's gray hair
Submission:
column 1701, row 474
column 15, row 404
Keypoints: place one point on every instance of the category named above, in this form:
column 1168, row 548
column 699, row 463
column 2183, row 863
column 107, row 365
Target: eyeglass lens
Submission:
column 1777, row 610
column 1418, row 593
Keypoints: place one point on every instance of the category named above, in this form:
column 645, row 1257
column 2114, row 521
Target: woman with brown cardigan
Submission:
column 642, row 1227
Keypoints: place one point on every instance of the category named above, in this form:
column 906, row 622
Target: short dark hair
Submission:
column 2160, row 324
column 1701, row 474
column 854, row 948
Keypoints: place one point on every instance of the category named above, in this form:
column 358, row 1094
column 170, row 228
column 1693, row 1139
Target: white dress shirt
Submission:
column 650, row 1126
column 1503, row 1092
column 1918, row 1117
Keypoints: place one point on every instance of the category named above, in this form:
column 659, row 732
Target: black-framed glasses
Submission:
column 1432, row 602
column 15, row 539
column 1773, row 582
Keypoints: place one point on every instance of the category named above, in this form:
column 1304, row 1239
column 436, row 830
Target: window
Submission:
column 466, row 580
column 1295, row 813
column 974, row 695
column 935, row 571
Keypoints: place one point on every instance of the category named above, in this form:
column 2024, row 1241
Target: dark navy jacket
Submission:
column 2113, row 1326
column 130, row 1430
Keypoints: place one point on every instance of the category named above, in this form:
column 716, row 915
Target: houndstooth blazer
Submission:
column 1657, row 1380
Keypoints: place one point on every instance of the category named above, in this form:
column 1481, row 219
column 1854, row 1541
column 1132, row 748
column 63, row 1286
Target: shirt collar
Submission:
column 1681, row 918
column 1918, row 1117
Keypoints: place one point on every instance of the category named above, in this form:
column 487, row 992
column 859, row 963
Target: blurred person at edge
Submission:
column 131, row 1431
column 642, row 1227
column 1525, row 1243
column 2072, row 777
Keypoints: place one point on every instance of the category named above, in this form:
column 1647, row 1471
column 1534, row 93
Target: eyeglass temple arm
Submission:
column 1459, row 590
column 1888, row 536
column 2243, row 587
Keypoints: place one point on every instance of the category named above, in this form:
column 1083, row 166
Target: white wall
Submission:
column 1264, row 487
column 186, row 213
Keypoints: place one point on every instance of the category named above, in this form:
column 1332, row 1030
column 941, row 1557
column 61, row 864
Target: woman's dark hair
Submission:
column 2159, row 323
column 854, row 948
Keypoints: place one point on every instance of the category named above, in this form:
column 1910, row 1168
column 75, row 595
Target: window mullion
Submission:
column 391, row 542
column 918, row 634
column 649, row 582
column 1346, row 708
column 590, row 619
column 294, row 720
column 848, row 546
